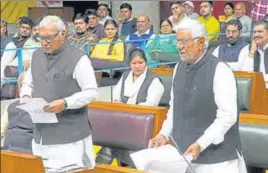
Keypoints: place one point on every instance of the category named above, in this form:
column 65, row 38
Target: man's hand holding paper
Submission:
column 55, row 106
column 35, row 106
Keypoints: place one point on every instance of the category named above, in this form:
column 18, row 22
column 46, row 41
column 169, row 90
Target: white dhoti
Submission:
column 74, row 155
column 231, row 166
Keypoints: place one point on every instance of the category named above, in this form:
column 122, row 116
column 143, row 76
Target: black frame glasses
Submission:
column 49, row 39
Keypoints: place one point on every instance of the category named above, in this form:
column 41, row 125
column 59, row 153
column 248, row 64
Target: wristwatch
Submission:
column 65, row 104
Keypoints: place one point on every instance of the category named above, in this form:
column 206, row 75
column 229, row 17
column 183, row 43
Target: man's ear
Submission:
column 63, row 33
column 202, row 41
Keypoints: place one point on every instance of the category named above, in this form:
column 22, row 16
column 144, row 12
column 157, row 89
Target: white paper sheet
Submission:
column 34, row 107
column 160, row 160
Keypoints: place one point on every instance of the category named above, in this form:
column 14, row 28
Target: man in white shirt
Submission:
column 6, row 43
column 63, row 76
column 203, row 116
column 257, row 59
column 235, row 50
column 103, row 13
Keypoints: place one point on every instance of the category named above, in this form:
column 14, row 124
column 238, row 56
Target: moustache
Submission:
column 258, row 37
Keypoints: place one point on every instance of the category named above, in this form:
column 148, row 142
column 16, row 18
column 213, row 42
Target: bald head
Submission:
column 143, row 23
column 240, row 9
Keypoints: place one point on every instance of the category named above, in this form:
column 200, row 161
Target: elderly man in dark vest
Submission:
column 258, row 56
column 203, row 115
column 63, row 76
column 235, row 50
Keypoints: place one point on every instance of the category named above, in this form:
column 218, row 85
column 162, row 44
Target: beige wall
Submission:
column 150, row 8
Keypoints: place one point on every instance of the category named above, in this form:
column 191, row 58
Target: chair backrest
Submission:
column 124, row 126
column 8, row 91
column 167, row 82
column 164, row 56
column 243, row 93
column 128, row 47
column 11, row 71
column 99, row 64
column 253, row 130
column 166, row 77
column 117, row 129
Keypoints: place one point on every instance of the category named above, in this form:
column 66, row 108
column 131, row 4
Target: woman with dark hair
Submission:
column 139, row 85
column 106, row 48
column 229, row 11
column 164, row 42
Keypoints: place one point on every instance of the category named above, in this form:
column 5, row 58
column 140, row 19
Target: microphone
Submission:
column 178, row 148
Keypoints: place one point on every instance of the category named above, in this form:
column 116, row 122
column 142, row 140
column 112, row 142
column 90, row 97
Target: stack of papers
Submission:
column 161, row 160
column 34, row 106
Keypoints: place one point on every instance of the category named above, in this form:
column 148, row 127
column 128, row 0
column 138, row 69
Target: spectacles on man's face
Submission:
column 184, row 42
column 49, row 39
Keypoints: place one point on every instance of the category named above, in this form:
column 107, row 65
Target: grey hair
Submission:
column 196, row 28
column 48, row 20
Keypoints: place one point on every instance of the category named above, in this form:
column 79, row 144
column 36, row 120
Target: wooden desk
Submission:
column 256, row 119
column 259, row 94
column 113, row 169
column 13, row 162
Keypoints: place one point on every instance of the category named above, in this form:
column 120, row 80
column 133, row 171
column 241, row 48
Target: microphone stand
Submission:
column 178, row 148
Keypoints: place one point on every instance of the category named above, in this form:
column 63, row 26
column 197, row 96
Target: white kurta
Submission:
column 131, row 90
column 249, row 65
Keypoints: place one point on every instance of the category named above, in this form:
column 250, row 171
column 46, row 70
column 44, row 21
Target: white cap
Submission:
column 190, row 3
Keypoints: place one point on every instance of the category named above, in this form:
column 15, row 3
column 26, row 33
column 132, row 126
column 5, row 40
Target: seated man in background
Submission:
column 103, row 13
column 81, row 35
column 235, row 50
column 144, row 32
column 6, row 43
column 178, row 13
column 25, row 28
column 16, row 128
column 257, row 59
column 94, row 27
column 32, row 42
column 127, row 23
column 189, row 9
column 210, row 22
column 240, row 14
column 138, row 86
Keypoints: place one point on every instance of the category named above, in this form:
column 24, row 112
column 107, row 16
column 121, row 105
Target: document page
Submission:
column 160, row 160
column 34, row 107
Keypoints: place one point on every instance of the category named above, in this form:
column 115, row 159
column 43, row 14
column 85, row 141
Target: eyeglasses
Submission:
column 185, row 42
column 49, row 39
